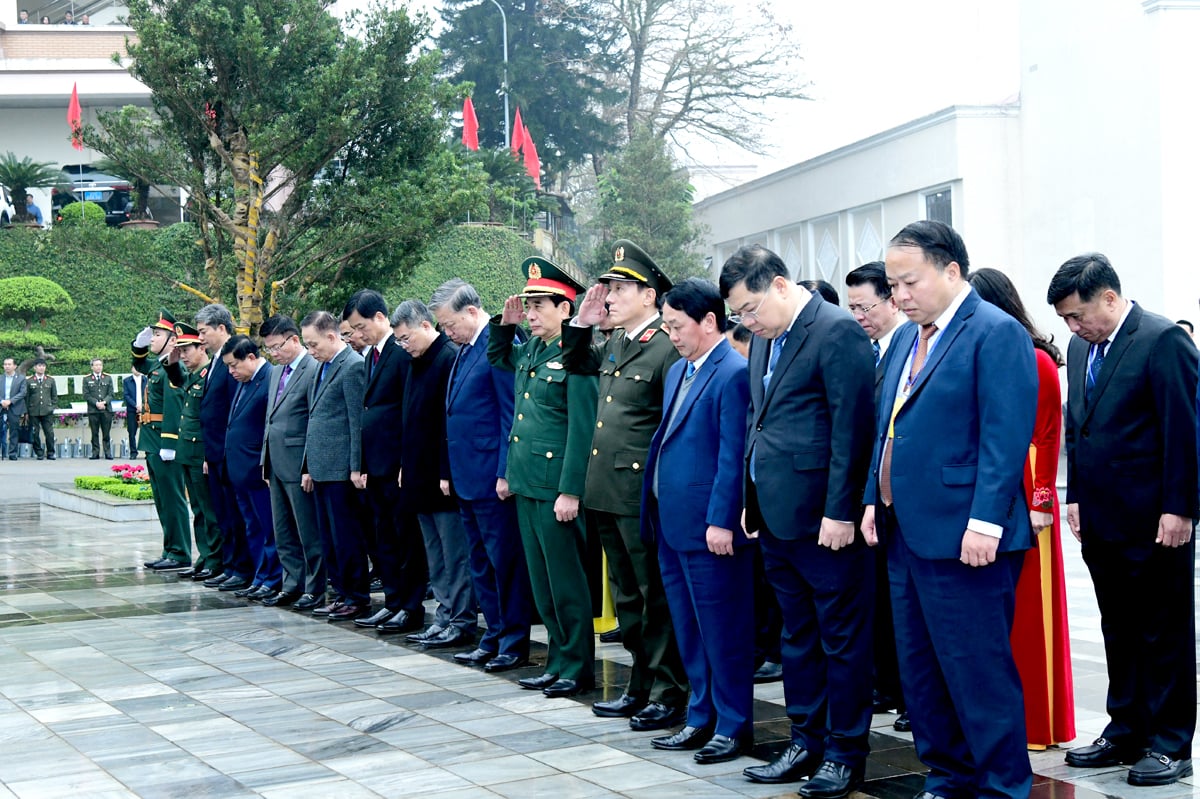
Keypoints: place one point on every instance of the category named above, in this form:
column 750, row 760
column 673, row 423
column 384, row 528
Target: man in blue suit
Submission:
column 243, row 457
column 694, row 473
column 131, row 394
column 479, row 414
column 955, row 420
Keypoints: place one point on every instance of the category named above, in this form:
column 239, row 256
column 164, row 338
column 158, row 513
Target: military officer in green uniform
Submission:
column 158, row 437
column 41, row 398
column 98, row 394
column 547, row 458
column 187, row 369
column 633, row 365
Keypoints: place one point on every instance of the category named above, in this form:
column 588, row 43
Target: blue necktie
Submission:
column 1094, row 369
column 776, row 349
column 690, row 372
column 878, row 352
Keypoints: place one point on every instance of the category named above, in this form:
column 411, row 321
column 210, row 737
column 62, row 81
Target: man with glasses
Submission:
column 875, row 310
column 297, row 539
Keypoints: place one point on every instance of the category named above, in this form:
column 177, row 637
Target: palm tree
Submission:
column 21, row 176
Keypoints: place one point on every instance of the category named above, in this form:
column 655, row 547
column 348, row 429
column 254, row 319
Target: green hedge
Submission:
column 87, row 214
column 129, row 491
column 487, row 257
column 89, row 482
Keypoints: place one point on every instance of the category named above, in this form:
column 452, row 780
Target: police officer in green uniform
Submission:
column 158, row 437
column 547, row 458
column 187, row 369
column 98, row 394
column 41, row 398
column 633, row 366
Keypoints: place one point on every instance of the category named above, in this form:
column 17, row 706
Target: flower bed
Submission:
column 127, row 482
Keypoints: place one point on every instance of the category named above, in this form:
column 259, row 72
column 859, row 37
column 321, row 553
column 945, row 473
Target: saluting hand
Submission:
column 514, row 311
column 591, row 310
column 144, row 337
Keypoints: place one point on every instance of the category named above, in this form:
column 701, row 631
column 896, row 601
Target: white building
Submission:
column 1100, row 153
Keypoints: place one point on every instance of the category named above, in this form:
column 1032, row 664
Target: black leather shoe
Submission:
column 722, row 748
column 282, row 599
column 374, row 619
column 217, row 581
column 325, row 610
column 611, row 637
column 563, row 688
column 451, row 636
column 1102, row 752
column 832, row 781
column 902, row 723
column 432, row 631
column 538, row 683
column 186, row 574
column 793, row 764
column 1156, row 769
column 234, row 584
column 623, row 707
column 402, row 622
column 376, row 586
column 768, row 672
column 686, row 739
column 247, row 591
column 168, row 565
column 350, row 612
column 149, row 564
column 503, row 663
column 657, row 716
column 476, row 657
column 308, row 602
column 203, row 575
column 263, row 592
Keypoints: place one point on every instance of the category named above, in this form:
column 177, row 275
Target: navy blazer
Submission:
column 963, row 435
column 244, row 433
column 214, row 409
column 383, row 410
column 479, row 416
column 698, row 454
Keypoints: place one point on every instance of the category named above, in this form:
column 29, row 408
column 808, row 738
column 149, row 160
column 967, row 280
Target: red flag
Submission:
column 470, row 126
column 75, row 119
column 518, row 133
column 532, row 165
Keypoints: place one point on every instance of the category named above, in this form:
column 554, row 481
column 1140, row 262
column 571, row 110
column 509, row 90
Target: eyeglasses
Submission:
column 274, row 348
column 863, row 310
column 753, row 315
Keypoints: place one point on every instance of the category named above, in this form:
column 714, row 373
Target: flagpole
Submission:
column 504, row 85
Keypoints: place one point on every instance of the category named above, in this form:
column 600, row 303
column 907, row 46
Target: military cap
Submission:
column 630, row 262
column 166, row 321
column 544, row 278
column 186, row 334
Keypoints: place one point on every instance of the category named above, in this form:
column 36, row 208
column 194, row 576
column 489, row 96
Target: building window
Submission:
column 937, row 207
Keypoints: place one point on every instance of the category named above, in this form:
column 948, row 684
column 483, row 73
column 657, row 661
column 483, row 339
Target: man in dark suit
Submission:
column 425, row 485
column 807, row 450
column 215, row 325
column 243, row 457
column 333, row 462
column 479, row 416
column 12, row 405
column 297, row 539
column 131, row 395
column 399, row 552
column 692, row 508
column 1132, row 503
column 98, row 394
column 872, row 306
column 953, row 430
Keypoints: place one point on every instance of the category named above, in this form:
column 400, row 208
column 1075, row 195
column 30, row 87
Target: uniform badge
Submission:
column 619, row 254
column 554, row 365
column 649, row 334
column 535, row 272
column 204, row 372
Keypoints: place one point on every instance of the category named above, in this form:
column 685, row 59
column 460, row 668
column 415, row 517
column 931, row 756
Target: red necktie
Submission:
column 918, row 360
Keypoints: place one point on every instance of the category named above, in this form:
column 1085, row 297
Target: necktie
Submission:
column 690, row 372
column 878, row 352
column 237, row 397
column 374, row 356
column 1094, row 369
column 463, row 351
column 321, row 374
column 776, row 349
column 918, row 360
column 283, row 378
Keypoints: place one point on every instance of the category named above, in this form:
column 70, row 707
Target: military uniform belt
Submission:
column 147, row 418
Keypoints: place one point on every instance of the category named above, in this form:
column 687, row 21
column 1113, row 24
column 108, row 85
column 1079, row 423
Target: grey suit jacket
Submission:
column 287, row 421
column 333, row 444
column 17, row 393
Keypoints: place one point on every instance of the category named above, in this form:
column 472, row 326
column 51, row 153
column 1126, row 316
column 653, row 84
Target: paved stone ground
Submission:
column 122, row 682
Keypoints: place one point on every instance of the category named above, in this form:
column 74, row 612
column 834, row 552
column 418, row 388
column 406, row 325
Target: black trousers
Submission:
column 43, row 445
column 399, row 553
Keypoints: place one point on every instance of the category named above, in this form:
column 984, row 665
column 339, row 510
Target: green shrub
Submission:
column 128, row 491
column 488, row 257
column 89, row 482
column 86, row 214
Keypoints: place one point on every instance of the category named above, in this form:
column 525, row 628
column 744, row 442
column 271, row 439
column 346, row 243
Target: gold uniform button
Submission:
column 526, row 395
column 617, row 373
column 608, row 398
column 516, row 438
column 549, row 454
column 636, row 466
column 595, row 452
column 637, row 377
column 599, row 424
column 549, row 378
column 520, row 417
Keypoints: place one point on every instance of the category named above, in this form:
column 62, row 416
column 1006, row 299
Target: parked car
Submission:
column 7, row 211
column 110, row 192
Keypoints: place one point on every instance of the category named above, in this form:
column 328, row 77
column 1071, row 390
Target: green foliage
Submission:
column 644, row 197
column 31, row 299
column 18, row 176
column 88, row 482
column 88, row 214
column 487, row 257
column 554, row 74
column 17, row 340
column 126, row 491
